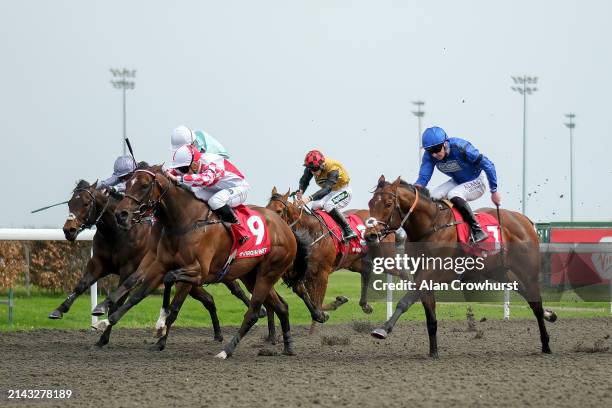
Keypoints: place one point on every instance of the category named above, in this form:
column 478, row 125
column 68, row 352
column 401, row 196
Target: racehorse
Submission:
column 117, row 251
column 195, row 246
column 322, row 260
column 400, row 204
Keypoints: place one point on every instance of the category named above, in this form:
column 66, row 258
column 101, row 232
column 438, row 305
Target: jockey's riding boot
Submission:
column 466, row 212
column 347, row 231
column 227, row 215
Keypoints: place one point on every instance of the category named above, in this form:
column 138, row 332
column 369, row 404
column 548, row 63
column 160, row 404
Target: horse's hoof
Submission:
column 289, row 352
column 99, row 310
column 56, row 314
column 262, row 312
column 379, row 334
column 321, row 317
column 157, row 347
column 101, row 325
column 550, row 315
column 218, row 337
column 270, row 339
column 222, row 355
column 100, row 344
column 434, row 355
column 160, row 331
column 546, row 350
column 367, row 309
column 340, row 300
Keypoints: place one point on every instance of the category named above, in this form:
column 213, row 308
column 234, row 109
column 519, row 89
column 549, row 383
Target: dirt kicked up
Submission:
column 498, row 364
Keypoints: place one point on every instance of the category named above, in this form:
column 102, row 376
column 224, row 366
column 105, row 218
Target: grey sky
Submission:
column 272, row 79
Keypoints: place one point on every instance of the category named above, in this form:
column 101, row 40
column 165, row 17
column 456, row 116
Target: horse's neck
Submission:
column 422, row 218
column 107, row 222
column 180, row 208
column 306, row 220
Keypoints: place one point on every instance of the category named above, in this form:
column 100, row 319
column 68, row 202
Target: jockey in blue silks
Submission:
column 465, row 165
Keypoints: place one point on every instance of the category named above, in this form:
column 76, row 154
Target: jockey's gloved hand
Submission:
column 496, row 198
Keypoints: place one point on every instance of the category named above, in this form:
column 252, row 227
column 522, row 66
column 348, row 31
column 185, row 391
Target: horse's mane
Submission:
column 423, row 191
column 158, row 169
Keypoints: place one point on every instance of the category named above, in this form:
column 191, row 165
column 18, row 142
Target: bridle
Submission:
column 387, row 228
column 91, row 213
column 285, row 213
column 146, row 206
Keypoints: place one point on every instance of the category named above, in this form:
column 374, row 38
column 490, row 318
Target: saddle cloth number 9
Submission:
column 257, row 227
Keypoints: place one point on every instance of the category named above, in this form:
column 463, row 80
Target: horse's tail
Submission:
column 300, row 264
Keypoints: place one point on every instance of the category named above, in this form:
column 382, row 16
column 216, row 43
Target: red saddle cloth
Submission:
column 253, row 222
column 355, row 245
column 487, row 222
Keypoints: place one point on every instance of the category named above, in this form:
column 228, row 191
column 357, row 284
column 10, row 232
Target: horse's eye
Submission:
column 388, row 204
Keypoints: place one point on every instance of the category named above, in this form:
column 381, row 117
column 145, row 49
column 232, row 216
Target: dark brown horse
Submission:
column 400, row 204
column 117, row 251
column 195, row 245
column 322, row 260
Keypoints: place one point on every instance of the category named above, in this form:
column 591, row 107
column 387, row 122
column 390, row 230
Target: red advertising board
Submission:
column 581, row 269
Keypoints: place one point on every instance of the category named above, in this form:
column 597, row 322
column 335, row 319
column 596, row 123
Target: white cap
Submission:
column 182, row 157
column 181, row 135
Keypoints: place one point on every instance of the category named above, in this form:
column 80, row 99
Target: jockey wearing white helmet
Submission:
column 213, row 179
column 202, row 140
column 122, row 169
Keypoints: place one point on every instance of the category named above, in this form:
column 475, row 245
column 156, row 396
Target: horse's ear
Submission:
column 396, row 183
column 381, row 180
column 274, row 191
column 287, row 193
column 95, row 184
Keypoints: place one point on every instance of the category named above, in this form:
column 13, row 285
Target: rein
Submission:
column 92, row 211
column 150, row 206
column 371, row 222
column 285, row 214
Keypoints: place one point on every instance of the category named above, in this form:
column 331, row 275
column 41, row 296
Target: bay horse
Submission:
column 195, row 246
column 116, row 251
column 322, row 260
column 400, row 204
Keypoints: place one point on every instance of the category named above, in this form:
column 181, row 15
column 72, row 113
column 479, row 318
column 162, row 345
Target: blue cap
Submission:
column 433, row 136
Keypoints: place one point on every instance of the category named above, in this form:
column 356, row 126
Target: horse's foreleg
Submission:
column 365, row 283
column 93, row 272
column 316, row 314
column 120, row 292
column 208, row 302
column 182, row 290
column 401, row 307
column 429, row 304
column 105, row 337
column 154, row 277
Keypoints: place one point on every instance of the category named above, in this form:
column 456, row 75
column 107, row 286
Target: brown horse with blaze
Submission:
column 425, row 220
column 195, row 246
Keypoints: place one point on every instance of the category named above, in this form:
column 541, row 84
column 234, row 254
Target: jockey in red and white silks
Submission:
column 213, row 179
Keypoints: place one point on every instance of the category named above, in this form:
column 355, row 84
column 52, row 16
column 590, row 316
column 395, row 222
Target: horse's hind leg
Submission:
column 263, row 286
column 208, row 302
column 532, row 296
column 429, row 304
column 182, row 290
column 236, row 290
column 280, row 307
